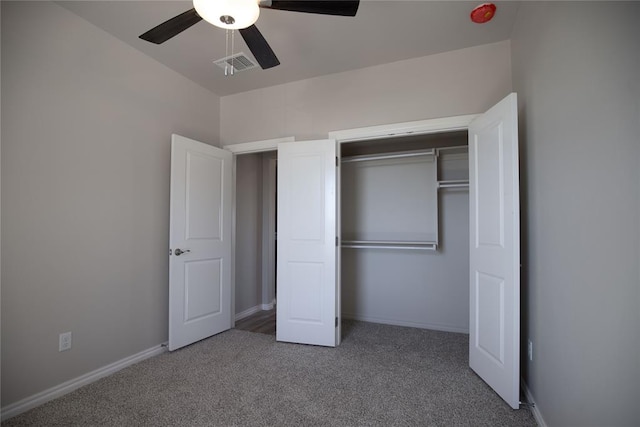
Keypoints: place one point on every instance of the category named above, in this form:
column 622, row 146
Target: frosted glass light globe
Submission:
column 229, row 14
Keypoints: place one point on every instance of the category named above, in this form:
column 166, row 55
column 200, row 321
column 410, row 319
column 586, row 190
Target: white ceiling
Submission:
column 307, row 45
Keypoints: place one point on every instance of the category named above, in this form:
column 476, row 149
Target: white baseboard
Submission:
column 432, row 326
column 67, row 387
column 534, row 407
column 248, row 312
column 269, row 306
column 253, row 310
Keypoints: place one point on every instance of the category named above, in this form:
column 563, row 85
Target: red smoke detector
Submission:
column 483, row 13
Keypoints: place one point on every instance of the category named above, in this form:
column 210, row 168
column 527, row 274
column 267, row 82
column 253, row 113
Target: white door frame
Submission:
column 239, row 149
column 420, row 127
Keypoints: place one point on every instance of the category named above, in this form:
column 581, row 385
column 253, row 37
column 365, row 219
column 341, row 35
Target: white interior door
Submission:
column 308, row 255
column 200, row 241
column 494, row 332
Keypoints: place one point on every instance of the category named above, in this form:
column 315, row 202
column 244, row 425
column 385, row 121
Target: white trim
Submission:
column 420, row 127
column 533, row 406
column 257, row 146
column 234, row 182
column 269, row 306
column 248, row 312
column 253, row 310
column 38, row 399
column 432, row 326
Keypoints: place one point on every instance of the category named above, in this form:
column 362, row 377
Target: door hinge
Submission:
column 337, row 161
column 337, row 241
column 336, row 322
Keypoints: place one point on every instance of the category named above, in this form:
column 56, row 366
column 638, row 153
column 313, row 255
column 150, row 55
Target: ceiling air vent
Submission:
column 240, row 62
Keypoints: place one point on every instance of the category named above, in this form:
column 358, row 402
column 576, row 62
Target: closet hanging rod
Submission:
column 384, row 156
column 454, row 186
column 418, row 248
column 454, row 181
column 461, row 183
column 384, row 244
column 390, row 242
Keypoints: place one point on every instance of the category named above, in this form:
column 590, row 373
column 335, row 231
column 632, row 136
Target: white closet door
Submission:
column 494, row 333
column 307, row 278
column 200, row 241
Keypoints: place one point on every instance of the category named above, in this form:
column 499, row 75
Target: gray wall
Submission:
column 441, row 85
column 85, row 194
column 576, row 68
column 248, row 231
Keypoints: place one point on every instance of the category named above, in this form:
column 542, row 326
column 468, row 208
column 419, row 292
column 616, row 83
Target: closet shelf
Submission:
column 385, row 244
column 460, row 183
column 397, row 155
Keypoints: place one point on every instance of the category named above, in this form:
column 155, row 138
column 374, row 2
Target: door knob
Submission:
column 180, row 251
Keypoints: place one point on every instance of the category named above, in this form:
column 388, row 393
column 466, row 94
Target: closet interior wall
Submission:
column 415, row 285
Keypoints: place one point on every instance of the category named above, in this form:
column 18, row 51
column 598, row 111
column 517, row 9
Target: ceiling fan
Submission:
column 241, row 15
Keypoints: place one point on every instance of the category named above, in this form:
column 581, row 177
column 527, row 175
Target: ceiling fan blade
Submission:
column 330, row 7
column 172, row 27
column 259, row 47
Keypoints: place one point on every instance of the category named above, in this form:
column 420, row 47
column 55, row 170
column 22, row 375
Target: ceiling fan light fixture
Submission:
column 228, row 14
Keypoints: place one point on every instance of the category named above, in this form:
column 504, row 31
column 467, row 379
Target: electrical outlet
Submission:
column 64, row 342
column 530, row 350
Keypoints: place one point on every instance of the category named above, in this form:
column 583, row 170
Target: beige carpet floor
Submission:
column 380, row 376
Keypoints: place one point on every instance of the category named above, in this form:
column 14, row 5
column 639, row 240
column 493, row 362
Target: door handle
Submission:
column 179, row 251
